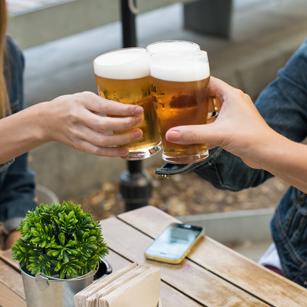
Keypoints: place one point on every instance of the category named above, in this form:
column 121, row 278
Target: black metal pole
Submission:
column 135, row 185
column 128, row 25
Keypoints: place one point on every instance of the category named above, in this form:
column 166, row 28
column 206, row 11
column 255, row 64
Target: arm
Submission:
column 19, row 134
column 74, row 120
column 282, row 105
column 241, row 130
column 283, row 158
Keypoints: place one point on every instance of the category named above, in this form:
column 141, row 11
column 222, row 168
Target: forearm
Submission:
column 21, row 132
column 283, row 158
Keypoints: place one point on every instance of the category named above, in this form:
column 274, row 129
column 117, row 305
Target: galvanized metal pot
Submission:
column 45, row 291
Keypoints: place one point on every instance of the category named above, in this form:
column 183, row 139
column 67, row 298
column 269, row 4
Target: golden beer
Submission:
column 125, row 78
column 181, row 98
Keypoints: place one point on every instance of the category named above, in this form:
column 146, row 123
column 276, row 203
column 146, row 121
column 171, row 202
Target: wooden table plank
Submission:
column 170, row 297
column 188, row 278
column 11, row 278
column 11, row 287
column 8, row 297
column 226, row 263
column 7, row 257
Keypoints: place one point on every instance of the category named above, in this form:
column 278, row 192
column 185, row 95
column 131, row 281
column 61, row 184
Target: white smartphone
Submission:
column 174, row 243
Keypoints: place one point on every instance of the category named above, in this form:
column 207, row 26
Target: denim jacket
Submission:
column 16, row 180
column 283, row 104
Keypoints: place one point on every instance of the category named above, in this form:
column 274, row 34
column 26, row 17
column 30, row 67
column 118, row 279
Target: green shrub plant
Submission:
column 59, row 240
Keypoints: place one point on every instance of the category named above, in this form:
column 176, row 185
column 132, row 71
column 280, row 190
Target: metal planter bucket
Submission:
column 44, row 291
column 47, row 291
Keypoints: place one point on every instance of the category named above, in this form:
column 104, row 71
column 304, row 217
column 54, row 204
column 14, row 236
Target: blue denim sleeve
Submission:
column 17, row 193
column 283, row 104
column 17, row 185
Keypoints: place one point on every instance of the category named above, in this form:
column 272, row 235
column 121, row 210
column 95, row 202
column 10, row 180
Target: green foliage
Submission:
column 59, row 240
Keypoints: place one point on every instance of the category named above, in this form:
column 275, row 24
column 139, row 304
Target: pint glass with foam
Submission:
column 180, row 87
column 123, row 75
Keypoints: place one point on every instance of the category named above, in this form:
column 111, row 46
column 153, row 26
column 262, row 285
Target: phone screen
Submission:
column 174, row 241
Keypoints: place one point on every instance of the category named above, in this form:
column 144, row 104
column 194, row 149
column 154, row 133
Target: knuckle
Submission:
column 76, row 145
column 247, row 96
column 88, row 94
column 123, row 139
column 239, row 92
column 98, row 124
column 96, row 151
column 129, row 122
column 101, row 108
column 72, row 133
column 74, row 136
column 111, row 103
column 104, row 108
column 102, row 142
column 61, row 98
column 129, row 109
column 130, row 137
column 194, row 136
column 77, row 99
column 73, row 115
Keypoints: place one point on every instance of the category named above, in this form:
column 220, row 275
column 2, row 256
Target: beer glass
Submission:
column 180, row 87
column 123, row 76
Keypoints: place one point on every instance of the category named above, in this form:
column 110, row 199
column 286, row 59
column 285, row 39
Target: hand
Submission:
column 86, row 122
column 239, row 128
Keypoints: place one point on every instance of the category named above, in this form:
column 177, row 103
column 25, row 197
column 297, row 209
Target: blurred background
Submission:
column 247, row 42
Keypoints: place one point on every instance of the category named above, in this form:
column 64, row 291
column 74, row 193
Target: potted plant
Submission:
column 59, row 253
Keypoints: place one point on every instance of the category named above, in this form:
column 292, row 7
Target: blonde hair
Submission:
column 4, row 104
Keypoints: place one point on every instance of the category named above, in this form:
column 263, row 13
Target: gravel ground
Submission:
column 187, row 194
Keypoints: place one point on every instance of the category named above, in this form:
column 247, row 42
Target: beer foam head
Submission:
column 173, row 46
column 179, row 68
column 123, row 64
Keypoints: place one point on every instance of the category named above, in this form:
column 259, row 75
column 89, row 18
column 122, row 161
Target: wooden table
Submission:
column 213, row 275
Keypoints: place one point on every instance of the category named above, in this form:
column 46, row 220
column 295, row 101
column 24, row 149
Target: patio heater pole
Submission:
column 135, row 185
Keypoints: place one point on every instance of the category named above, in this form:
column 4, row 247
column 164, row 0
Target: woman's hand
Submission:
column 86, row 122
column 239, row 128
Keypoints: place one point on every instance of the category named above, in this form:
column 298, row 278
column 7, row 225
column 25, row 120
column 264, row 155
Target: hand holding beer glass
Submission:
column 180, row 87
column 123, row 76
